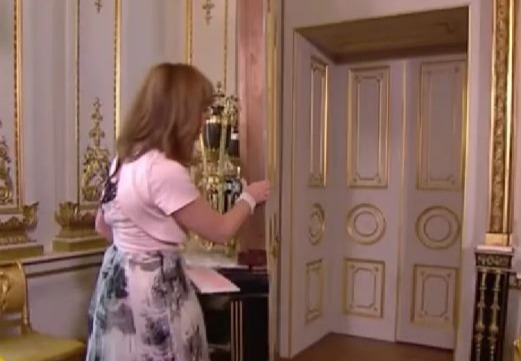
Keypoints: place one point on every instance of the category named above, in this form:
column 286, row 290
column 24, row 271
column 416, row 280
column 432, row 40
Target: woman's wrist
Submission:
column 246, row 197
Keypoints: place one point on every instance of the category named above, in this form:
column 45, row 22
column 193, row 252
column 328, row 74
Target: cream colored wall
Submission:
column 300, row 13
column 150, row 32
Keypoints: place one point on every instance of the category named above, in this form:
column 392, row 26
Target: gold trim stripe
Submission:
column 15, row 206
column 189, row 31
column 18, row 26
column 500, row 222
column 117, row 68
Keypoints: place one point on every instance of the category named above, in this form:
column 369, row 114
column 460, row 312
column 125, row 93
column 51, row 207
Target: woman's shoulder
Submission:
column 160, row 165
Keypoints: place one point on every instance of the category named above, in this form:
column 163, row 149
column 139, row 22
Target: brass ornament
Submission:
column 13, row 231
column 96, row 159
column 216, row 170
column 74, row 222
column 6, row 181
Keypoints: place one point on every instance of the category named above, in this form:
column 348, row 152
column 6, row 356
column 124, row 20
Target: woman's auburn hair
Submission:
column 166, row 114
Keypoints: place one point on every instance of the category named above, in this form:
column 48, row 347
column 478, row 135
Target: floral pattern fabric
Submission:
column 144, row 308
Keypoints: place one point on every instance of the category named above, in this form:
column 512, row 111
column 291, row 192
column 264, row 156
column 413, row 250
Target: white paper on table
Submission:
column 209, row 281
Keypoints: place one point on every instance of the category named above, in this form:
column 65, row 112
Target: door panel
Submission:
column 311, row 188
column 368, row 146
column 433, row 196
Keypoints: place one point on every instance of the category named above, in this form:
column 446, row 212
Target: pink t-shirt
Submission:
column 150, row 189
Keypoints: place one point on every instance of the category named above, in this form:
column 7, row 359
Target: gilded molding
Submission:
column 318, row 177
column 18, row 218
column 380, row 75
column 77, row 217
column 359, row 236
column 6, row 180
column 77, row 231
column 96, row 159
column 517, row 349
column 98, row 4
column 449, row 238
column 314, row 312
column 208, row 7
column 487, row 260
column 317, row 224
column 502, row 135
column 13, row 231
column 11, row 164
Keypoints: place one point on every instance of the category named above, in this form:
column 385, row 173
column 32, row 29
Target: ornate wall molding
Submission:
column 16, row 218
column 500, row 222
column 203, row 20
column 94, row 137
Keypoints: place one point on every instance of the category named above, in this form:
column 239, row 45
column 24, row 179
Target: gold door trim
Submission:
column 377, row 270
column 318, row 177
column 449, row 238
column 381, row 75
column 314, row 312
column 359, row 236
column 425, row 178
column 317, row 224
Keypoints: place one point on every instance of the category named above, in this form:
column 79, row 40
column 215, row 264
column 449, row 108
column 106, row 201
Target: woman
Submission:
column 144, row 307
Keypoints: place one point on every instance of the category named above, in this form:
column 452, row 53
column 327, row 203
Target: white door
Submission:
column 433, row 200
column 310, row 187
column 367, row 138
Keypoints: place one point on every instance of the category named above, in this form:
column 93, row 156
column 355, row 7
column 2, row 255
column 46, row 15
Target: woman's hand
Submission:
column 260, row 191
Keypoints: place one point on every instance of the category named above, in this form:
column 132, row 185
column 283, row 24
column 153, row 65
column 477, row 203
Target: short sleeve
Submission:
column 170, row 185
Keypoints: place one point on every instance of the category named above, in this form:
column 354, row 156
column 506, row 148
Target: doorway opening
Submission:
column 378, row 173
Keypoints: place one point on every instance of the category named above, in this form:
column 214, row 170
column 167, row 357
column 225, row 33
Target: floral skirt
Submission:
column 145, row 309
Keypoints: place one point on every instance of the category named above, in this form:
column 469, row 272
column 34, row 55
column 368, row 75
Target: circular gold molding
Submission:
column 447, row 237
column 317, row 224
column 360, row 236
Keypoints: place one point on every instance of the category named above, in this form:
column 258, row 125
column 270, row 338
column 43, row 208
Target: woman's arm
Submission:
column 101, row 227
column 200, row 218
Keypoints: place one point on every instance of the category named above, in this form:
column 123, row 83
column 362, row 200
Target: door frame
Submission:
column 476, row 171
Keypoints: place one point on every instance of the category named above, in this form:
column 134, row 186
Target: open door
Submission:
column 273, row 171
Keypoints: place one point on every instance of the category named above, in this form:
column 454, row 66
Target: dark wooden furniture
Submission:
column 237, row 323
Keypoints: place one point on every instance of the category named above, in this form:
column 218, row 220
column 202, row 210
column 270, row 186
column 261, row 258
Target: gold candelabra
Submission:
column 217, row 171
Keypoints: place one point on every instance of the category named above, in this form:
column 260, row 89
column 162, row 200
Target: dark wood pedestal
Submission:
column 491, row 299
column 237, row 323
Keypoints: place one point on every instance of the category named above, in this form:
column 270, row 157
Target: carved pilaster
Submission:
column 502, row 135
column 491, row 299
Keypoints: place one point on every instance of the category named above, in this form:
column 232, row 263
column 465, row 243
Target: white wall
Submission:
column 299, row 13
column 151, row 32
